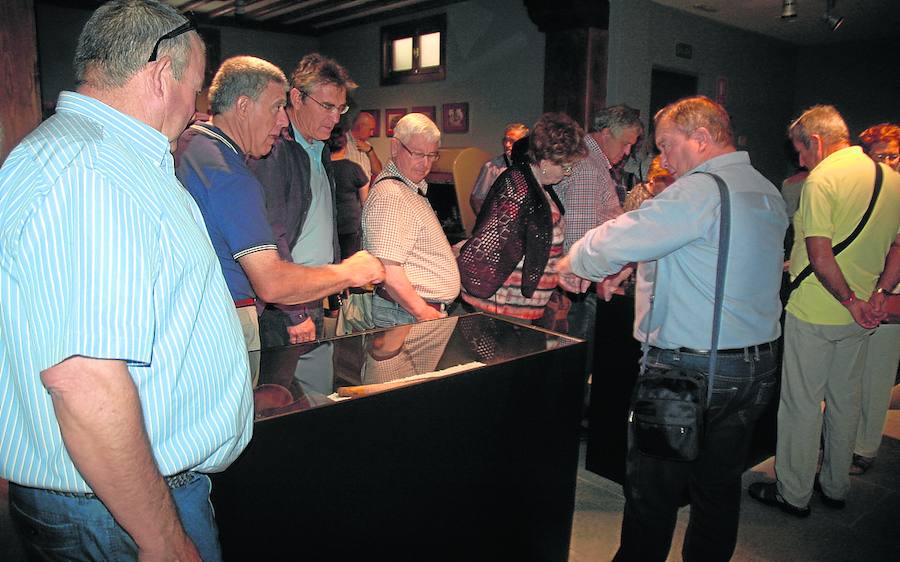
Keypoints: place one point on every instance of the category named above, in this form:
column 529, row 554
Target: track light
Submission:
column 788, row 10
column 832, row 21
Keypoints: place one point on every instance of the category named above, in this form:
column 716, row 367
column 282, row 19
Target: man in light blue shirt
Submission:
column 123, row 377
column 678, row 231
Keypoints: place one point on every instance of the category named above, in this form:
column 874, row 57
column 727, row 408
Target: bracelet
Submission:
column 849, row 300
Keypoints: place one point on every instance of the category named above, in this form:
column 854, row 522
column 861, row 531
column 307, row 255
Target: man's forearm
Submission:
column 402, row 290
column 891, row 274
column 100, row 419
column 826, row 268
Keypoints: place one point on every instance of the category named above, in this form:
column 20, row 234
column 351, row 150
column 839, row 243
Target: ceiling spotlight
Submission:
column 788, row 10
column 832, row 21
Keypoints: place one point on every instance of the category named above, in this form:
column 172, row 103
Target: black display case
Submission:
column 478, row 463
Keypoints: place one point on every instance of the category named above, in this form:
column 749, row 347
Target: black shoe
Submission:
column 767, row 493
column 829, row 502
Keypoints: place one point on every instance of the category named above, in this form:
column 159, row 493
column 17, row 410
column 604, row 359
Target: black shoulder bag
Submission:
column 669, row 402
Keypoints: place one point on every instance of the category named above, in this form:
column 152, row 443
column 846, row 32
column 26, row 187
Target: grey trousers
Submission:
column 877, row 381
column 821, row 362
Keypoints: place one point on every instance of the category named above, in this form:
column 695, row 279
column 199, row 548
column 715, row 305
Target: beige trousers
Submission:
column 878, row 377
column 821, row 362
column 250, row 326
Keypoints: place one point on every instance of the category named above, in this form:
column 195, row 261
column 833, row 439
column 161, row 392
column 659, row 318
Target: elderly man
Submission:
column 114, row 312
column 678, row 230
column 299, row 185
column 589, row 198
column 827, row 325
column 247, row 100
column 400, row 228
column 358, row 148
column 495, row 166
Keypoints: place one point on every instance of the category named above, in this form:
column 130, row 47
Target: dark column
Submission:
column 576, row 54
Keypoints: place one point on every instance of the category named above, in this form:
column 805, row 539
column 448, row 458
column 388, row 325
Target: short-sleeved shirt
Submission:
column 399, row 225
column 834, row 198
column 104, row 255
column 348, row 178
column 213, row 169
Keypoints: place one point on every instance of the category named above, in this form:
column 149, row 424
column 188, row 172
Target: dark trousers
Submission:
column 655, row 489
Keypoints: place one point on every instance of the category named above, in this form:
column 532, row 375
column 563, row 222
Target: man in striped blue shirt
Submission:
column 123, row 376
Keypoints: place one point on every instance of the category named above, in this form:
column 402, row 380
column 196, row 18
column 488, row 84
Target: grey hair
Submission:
column 822, row 120
column 242, row 76
column 117, row 41
column 315, row 69
column 413, row 124
column 617, row 118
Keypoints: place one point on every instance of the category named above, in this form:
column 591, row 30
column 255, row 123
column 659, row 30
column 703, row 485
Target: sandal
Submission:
column 861, row 464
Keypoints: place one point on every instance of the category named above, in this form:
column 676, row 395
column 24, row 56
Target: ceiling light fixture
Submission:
column 832, row 21
column 788, row 10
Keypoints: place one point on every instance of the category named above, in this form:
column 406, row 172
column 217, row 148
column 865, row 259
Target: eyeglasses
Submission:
column 330, row 107
column 181, row 29
column 433, row 156
column 886, row 156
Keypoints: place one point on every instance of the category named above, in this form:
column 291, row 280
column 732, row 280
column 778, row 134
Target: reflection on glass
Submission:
column 430, row 49
column 300, row 377
column 403, row 54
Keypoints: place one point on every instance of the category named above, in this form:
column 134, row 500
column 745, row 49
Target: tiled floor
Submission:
column 867, row 530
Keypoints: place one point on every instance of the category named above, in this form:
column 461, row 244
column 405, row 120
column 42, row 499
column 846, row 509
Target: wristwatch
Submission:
column 849, row 300
column 371, row 148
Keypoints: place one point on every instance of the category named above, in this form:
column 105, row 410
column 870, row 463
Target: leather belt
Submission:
column 755, row 349
column 244, row 302
column 383, row 293
column 173, row 482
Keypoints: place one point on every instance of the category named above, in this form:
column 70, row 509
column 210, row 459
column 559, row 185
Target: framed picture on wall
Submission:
column 428, row 110
column 455, row 117
column 391, row 116
column 376, row 113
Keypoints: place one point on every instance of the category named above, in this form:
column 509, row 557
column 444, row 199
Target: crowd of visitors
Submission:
column 175, row 256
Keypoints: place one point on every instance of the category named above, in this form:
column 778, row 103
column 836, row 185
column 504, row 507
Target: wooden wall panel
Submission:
column 20, row 96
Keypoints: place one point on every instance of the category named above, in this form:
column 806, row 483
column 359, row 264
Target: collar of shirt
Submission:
column 729, row 159
column 314, row 148
column 391, row 170
column 595, row 148
column 151, row 144
column 837, row 155
column 211, row 130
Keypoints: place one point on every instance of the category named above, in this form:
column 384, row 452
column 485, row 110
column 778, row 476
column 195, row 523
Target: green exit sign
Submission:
column 684, row 50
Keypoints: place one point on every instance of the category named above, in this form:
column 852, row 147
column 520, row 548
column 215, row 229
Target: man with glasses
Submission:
column 247, row 98
column 400, row 228
column 299, row 185
column 496, row 166
column 123, row 378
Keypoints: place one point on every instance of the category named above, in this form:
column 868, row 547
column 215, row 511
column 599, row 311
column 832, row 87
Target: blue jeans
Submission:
column 655, row 488
column 55, row 527
column 582, row 319
column 386, row 313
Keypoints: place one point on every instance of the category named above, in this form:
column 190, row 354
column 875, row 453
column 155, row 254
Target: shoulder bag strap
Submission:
column 807, row 271
column 721, row 266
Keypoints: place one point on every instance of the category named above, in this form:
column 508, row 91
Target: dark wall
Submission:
column 860, row 79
